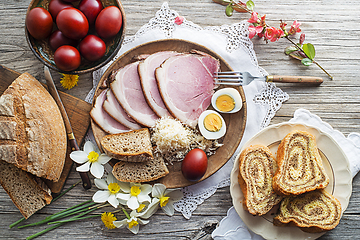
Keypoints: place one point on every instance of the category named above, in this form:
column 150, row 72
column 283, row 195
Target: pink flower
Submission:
column 302, row 38
column 254, row 18
column 179, row 20
column 255, row 30
column 273, row 34
column 295, row 27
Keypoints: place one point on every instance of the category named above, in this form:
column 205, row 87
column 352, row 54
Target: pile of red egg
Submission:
column 71, row 39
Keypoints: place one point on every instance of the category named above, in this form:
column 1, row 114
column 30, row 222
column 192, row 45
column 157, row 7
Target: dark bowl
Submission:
column 45, row 54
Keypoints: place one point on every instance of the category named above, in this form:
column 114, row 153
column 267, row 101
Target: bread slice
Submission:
column 132, row 146
column 314, row 211
column 32, row 135
column 150, row 170
column 257, row 166
column 28, row 193
column 300, row 165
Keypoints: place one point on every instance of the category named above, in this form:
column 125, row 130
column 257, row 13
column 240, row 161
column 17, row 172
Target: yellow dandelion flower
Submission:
column 68, row 81
column 108, row 218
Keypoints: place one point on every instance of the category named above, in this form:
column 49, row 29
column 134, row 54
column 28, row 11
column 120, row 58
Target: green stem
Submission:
column 300, row 49
column 126, row 214
column 44, row 231
column 72, row 210
column 63, row 192
column 60, row 195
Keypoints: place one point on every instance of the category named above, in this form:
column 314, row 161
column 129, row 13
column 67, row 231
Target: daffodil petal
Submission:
column 119, row 224
column 125, row 187
column 101, row 196
column 174, row 195
column 133, row 203
column 146, row 188
column 134, row 229
column 111, row 179
column 142, row 221
column 79, row 156
column 97, row 170
column 103, row 158
column 89, row 147
column 152, row 208
column 168, row 209
column 158, row 190
column 101, row 184
column 113, row 201
column 142, row 197
column 123, row 196
column 84, row 168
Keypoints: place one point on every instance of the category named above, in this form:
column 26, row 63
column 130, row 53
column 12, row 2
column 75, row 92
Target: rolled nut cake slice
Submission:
column 300, row 167
column 315, row 211
column 257, row 166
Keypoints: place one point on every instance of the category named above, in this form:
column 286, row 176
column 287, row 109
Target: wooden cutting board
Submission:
column 78, row 112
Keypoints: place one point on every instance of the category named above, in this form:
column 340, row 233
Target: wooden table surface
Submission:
column 331, row 26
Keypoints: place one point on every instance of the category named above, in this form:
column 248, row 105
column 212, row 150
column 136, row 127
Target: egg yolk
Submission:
column 212, row 122
column 225, row 103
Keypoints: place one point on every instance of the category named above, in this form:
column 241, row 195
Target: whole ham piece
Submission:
column 186, row 85
column 103, row 119
column 114, row 109
column 127, row 90
column 149, row 85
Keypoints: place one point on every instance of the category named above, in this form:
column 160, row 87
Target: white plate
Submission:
column 336, row 166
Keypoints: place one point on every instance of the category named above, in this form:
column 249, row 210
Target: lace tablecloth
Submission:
column 234, row 46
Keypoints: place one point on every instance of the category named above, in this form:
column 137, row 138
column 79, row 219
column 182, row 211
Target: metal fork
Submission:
column 244, row 78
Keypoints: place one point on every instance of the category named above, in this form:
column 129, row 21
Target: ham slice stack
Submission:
column 166, row 83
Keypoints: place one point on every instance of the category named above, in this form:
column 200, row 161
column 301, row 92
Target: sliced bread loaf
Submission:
column 257, row 167
column 32, row 133
column 314, row 211
column 28, row 193
column 150, row 170
column 300, row 165
column 132, row 146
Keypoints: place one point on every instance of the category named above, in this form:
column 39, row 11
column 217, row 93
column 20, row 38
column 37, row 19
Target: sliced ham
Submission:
column 104, row 120
column 127, row 90
column 149, row 85
column 186, row 85
column 114, row 109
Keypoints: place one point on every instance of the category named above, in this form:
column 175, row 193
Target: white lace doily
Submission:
column 234, row 46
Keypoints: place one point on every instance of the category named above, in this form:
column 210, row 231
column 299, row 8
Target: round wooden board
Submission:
column 235, row 122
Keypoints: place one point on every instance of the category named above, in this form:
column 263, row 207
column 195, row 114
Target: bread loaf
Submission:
column 300, row 167
column 132, row 146
column 314, row 211
column 257, row 167
column 32, row 132
column 150, row 170
column 28, row 193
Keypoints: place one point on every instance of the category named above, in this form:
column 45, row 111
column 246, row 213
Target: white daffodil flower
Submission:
column 136, row 218
column 108, row 190
column 135, row 194
column 90, row 156
column 166, row 197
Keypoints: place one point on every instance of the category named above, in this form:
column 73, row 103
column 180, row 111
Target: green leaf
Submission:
column 250, row 5
column 229, row 10
column 309, row 50
column 290, row 49
column 306, row 61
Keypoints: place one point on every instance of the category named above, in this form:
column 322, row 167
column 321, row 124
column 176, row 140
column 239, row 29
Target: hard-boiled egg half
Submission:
column 227, row 100
column 211, row 125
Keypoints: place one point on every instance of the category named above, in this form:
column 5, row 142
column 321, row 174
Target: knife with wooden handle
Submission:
column 71, row 138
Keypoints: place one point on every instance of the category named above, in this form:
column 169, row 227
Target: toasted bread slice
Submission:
column 300, row 165
column 257, row 166
column 314, row 211
column 132, row 146
column 145, row 171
